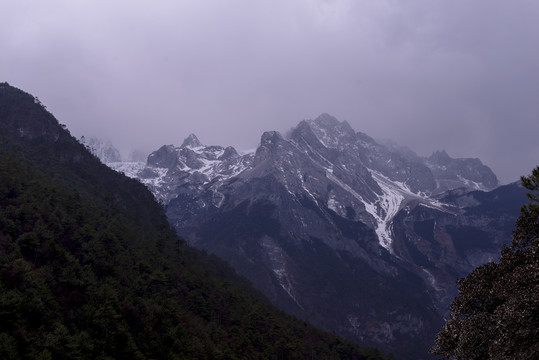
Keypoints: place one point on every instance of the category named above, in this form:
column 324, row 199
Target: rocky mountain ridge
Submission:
column 381, row 179
column 357, row 236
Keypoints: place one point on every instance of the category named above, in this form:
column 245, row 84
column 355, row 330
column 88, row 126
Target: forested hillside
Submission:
column 90, row 268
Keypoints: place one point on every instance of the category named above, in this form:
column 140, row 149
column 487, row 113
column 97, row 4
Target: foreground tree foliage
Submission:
column 496, row 315
column 91, row 269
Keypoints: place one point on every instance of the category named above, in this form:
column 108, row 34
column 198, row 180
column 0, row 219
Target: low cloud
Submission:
column 454, row 75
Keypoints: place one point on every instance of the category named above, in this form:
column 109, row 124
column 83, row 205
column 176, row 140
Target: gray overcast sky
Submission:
column 459, row 75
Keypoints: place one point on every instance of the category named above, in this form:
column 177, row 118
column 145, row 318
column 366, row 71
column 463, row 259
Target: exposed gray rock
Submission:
column 191, row 141
column 353, row 235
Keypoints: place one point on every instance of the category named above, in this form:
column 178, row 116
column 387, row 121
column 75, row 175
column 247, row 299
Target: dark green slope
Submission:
column 90, row 268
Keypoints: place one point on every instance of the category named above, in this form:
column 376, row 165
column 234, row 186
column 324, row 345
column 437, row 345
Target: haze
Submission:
column 456, row 75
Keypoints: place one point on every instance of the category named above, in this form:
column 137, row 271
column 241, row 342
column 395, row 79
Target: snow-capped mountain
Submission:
column 371, row 179
column 192, row 165
column 362, row 237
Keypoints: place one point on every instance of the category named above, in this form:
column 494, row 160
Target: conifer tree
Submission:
column 496, row 315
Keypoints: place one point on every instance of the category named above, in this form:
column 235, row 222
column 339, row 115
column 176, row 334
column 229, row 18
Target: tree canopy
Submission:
column 496, row 314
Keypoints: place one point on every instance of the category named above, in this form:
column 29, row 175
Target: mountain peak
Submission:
column 268, row 143
column 330, row 131
column 270, row 138
column 326, row 119
column 465, row 171
column 191, row 141
column 440, row 157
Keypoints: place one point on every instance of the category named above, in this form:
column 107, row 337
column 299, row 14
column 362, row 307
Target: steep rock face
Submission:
column 104, row 150
column 450, row 173
column 362, row 238
column 445, row 246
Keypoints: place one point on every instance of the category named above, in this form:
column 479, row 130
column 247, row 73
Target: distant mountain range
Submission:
column 361, row 237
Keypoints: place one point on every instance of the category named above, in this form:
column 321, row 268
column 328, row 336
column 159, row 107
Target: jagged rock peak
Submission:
column 229, row 152
column 164, row 157
column 469, row 171
column 270, row 138
column 268, row 142
column 440, row 157
column 330, row 131
column 191, row 141
column 326, row 120
column 329, row 122
column 304, row 131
